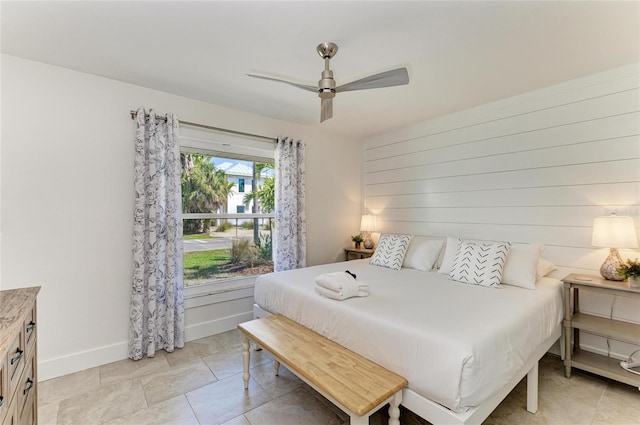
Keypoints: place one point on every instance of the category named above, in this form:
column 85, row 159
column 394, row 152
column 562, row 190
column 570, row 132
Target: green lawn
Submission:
column 199, row 265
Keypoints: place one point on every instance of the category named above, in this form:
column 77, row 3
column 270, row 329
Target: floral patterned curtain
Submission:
column 290, row 239
column 157, row 303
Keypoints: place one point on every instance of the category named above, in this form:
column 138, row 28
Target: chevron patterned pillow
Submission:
column 480, row 263
column 390, row 251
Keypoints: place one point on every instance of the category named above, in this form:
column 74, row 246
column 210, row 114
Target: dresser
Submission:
column 18, row 357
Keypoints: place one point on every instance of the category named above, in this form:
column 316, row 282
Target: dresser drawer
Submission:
column 15, row 360
column 26, row 392
column 29, row 330
column 11, row 416
column 4, row 388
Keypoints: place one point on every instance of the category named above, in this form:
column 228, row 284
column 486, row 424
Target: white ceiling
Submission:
column 459, row 54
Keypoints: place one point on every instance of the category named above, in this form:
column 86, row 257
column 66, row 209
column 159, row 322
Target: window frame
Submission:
column 230, row 147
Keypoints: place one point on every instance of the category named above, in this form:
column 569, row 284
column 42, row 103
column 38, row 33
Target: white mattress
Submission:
column 455, row 343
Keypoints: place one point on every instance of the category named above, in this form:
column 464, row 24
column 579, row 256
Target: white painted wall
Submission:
column 532, row 168
column 67, row 199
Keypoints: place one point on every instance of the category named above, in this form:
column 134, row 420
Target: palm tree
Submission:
column 263, row 195
column 204, row 189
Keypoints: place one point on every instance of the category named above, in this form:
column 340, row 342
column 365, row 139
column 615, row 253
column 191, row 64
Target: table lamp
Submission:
column 613, row 232
column 368, row 225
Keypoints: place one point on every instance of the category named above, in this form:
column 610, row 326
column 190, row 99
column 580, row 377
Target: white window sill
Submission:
column 197, row 296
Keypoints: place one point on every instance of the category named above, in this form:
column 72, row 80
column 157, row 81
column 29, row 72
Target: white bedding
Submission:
column 455, row 343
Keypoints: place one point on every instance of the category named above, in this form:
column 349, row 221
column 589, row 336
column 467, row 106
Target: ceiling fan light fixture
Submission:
column 326, row 93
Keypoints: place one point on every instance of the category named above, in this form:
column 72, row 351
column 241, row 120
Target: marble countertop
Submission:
column 14, row 306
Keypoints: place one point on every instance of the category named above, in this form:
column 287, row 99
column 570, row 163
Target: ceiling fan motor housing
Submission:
column 327, row 85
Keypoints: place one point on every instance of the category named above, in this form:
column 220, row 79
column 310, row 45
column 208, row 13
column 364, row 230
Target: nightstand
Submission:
column 357, row 253
column 575, row 321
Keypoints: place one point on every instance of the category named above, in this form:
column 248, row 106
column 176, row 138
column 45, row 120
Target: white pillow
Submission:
column 480, row 263
column 450, row 250
column 422, row 253
column 544, row 268
column 521, row 265
column 390, row 251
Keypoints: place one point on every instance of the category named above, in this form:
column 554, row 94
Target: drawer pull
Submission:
column 29, row 386
column 31, row 326
column 18, row 357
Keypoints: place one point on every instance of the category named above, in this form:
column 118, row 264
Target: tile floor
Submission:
column 202, row 384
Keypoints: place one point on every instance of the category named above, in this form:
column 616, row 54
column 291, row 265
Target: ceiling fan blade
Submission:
column 326, row 109
column 300, row 86
column 395, row 77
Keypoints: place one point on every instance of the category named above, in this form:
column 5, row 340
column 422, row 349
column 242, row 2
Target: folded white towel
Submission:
column 340, row 296
column 338, row 281
column 340, row 286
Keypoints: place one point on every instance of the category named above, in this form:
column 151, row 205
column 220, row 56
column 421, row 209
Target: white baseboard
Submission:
column 52, row 368
column 75, row 362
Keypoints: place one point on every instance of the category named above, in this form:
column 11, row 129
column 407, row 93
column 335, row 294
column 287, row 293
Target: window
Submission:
column 219, row 245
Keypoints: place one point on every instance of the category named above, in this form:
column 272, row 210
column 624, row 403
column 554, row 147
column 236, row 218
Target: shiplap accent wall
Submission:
column 537, row 167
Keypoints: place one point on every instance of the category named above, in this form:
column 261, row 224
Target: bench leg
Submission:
column 276, row 367
column 394, row 409
column 359, row 420
column 245, row 360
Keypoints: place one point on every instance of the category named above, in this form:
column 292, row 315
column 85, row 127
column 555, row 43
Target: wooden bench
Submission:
column 356, row 385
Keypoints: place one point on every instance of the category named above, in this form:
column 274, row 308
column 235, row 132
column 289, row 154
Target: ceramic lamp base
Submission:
column 368, row 242
column 609, row 269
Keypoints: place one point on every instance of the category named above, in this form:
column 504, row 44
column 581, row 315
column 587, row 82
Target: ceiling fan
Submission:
column 327, row 88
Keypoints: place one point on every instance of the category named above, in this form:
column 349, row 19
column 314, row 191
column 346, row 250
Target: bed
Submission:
column 461, row 347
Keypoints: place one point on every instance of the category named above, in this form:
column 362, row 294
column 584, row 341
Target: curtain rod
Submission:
column 209, row 127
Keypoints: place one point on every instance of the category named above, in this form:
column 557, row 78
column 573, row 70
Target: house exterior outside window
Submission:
column 239, row 173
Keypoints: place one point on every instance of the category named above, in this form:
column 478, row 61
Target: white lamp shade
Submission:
column 614, row 231
column 368, row 223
